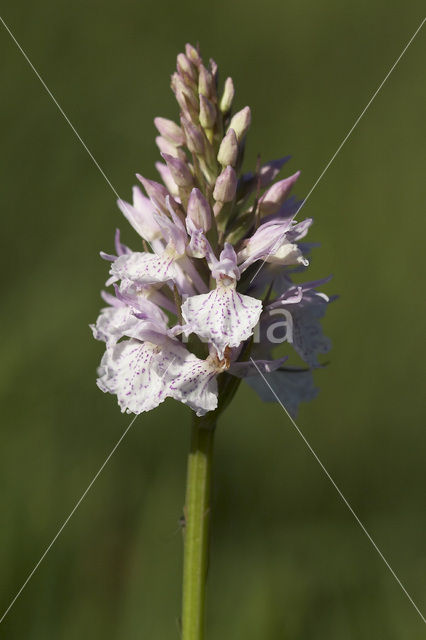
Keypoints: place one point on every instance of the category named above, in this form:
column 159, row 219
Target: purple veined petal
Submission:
column 292, row 387
column 244, row 369
column 144, row 268
column 222, row 317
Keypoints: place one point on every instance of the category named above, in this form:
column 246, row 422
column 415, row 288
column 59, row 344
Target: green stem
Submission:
column 197, row 516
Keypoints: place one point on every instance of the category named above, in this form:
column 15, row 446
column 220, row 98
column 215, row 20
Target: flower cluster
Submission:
column 219, row 250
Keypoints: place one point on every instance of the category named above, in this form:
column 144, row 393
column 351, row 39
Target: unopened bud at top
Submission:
column 228, row 150
column 227, row 96
column 226, row 186
column 199, row 210
column 213, row 69
column 170, row 131
column 155, row 191
column 205, row 82
column 192, row 54
column 180, row 171
column 240, row 123
column 185, row 68
column 272, row 200
column 207, row 113
column 185, row 97
column 194, row 137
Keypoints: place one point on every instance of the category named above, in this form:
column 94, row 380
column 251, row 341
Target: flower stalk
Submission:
column 196, row 532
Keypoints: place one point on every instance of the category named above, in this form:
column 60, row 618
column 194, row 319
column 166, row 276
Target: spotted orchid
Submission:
column 189, row 316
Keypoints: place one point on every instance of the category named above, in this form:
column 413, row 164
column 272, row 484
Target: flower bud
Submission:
column 207, row 113
column 205, row 82
column 185, row 97
column 192, row 54
column 199, row 210
column 213, row 69
column 226, row 186
column 170, row 131
column 227, row 96
column 155, row 191
column 240, row 123
column 228, row 150
column 180, row 171
column 186, row 68
column 194, row 137
column 271, row 201
column 168, row 147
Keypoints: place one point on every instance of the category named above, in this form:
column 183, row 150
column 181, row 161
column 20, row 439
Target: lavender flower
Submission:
column 185, row 304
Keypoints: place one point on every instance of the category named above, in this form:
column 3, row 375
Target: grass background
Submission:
column 288, row 560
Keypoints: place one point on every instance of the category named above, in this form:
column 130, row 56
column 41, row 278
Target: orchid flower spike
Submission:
column 209, row 292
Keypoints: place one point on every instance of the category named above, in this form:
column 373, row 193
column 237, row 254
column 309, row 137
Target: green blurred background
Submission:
column 288, row 561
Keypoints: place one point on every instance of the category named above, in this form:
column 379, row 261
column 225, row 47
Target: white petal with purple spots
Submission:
column 222, row 317
column 144, row 268
column 129, row 372
column 196, row 385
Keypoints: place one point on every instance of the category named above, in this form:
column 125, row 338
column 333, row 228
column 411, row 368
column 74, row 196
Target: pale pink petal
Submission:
column 140, row 215
column 113, row 323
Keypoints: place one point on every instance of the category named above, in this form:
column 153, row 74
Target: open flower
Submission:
column 223, row 317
